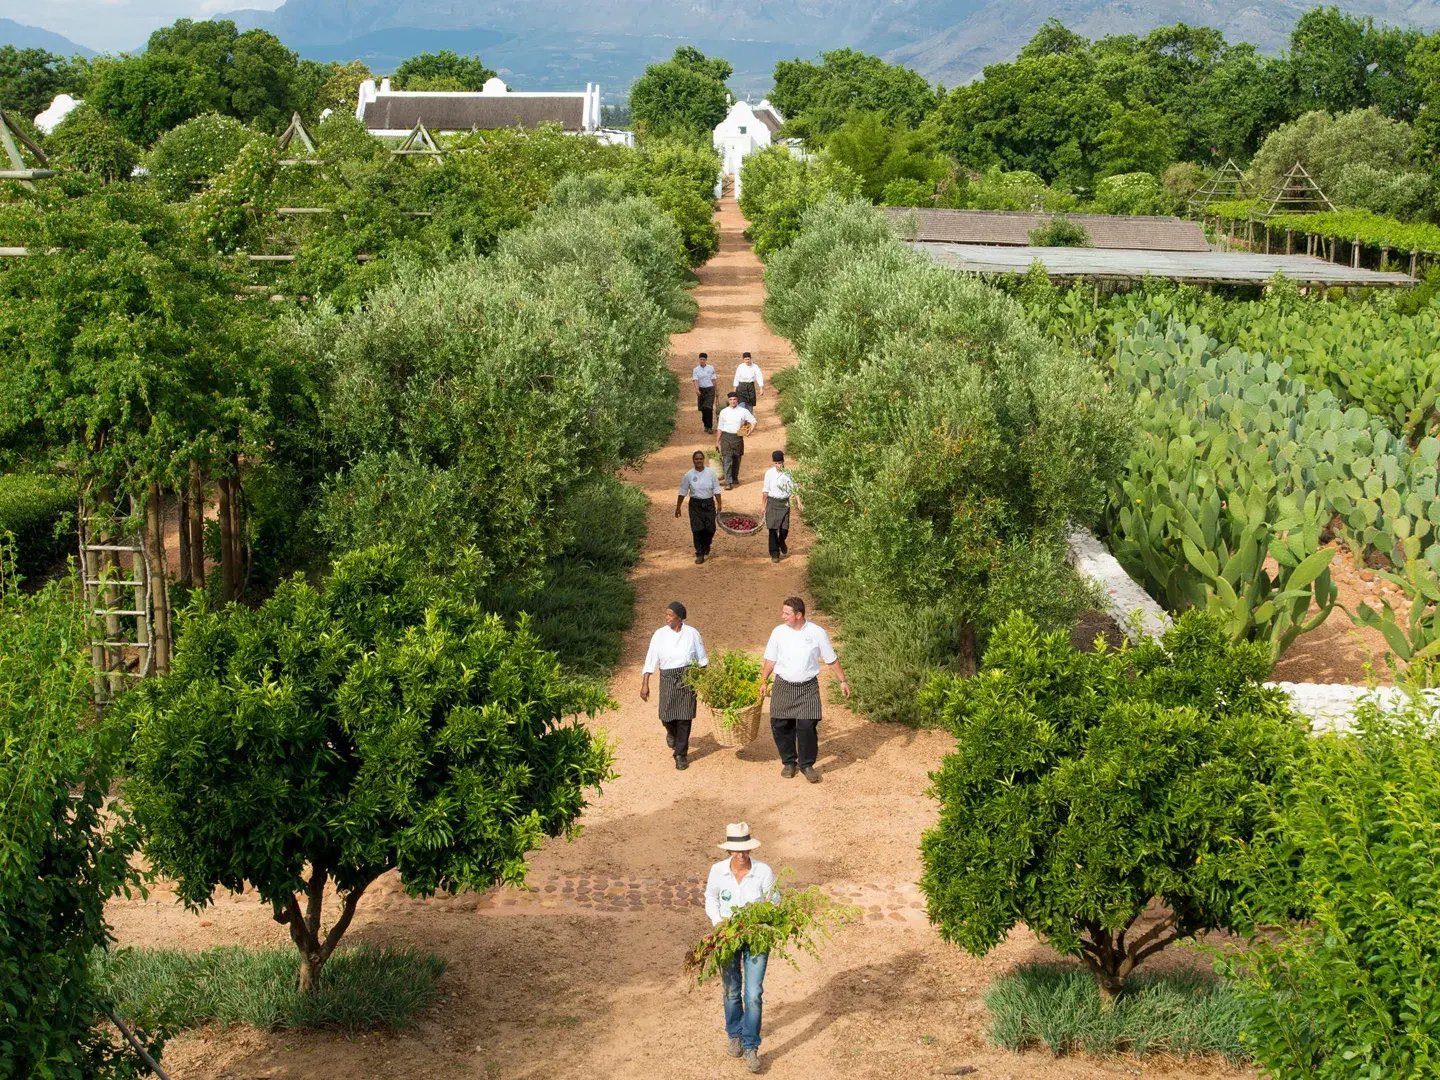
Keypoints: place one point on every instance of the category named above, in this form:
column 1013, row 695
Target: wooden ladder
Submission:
column 117, row 591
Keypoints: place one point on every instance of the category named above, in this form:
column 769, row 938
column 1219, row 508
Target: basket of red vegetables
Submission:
column 738, row 524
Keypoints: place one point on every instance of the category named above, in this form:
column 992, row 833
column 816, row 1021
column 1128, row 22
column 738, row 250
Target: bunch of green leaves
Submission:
column 1131, row 193
column 1354, row 990
column 729, row 684
column 797, row 921
column 62, row 853
column 377, row 722
column 190, row 155
column 1084, row 786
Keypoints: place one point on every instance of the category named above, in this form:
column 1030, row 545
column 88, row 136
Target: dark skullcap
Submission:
column 777, row 455
column 678, row 608
column 744, row 356
column 704, row 356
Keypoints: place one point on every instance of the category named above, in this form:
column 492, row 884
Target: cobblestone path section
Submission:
column 898, row 903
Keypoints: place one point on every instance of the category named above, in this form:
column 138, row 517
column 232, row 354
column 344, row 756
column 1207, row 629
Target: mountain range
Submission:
column 552, row 43
column 555, row 44
column 32, row 37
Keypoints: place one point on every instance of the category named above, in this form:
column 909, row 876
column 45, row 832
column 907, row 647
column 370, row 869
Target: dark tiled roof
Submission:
column 1009, row 227
column 769, row 119
column 469, row 112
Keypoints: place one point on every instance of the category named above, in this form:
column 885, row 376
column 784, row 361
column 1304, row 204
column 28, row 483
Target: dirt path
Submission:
column 579, row 976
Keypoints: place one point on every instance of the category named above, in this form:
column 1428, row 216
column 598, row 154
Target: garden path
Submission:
column 580, row 974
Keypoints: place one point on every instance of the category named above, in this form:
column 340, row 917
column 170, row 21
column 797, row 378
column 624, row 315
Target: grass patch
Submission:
column 362, row 988
column 1059, row 1008
column 584, row 609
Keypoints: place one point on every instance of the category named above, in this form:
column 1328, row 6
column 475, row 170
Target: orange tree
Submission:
column 333, row 734
column 1084, row 785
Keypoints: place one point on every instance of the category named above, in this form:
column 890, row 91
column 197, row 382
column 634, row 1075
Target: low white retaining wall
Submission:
column 1328, row 705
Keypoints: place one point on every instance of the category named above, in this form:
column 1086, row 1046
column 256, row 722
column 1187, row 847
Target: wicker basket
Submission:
column 726, row 518
column 740, row 733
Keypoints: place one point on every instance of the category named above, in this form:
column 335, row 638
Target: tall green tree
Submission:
column 684, row 97
column 334, row 734
column 62, row 852
column 30, row 79
column 816, row 99
column 443, row 70
column 1340, row 62
column 880, row 154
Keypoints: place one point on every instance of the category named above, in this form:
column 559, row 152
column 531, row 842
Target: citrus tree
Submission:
column 334, row 734
column 1084, row 786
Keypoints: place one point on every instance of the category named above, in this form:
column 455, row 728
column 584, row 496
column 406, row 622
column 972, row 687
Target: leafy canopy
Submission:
column 1084, row 785
column 684, row 97
column 443, row 70
column 374, row 723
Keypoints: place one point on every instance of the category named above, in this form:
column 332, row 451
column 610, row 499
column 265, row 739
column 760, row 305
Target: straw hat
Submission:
column 738, row 838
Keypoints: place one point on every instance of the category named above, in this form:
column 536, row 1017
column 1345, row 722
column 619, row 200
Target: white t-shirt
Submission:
column 673, row 649
column 778, row 484
column 723, row 894
column 704, row 375
column 797, row 653
column 700, row 483
column 750, row 372
column 733, row 417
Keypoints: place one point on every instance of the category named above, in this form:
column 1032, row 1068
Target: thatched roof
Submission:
column 1013, row 228
column 474, row 112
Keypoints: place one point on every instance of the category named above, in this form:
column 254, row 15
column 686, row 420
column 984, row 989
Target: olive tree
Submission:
column 1085, row 785
column 334, row 734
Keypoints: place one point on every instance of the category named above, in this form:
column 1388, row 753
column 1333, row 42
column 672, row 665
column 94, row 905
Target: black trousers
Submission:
column 705, row 402
column 732, row 449
column 777, row 541
column 702, row 524
column 681, row 730
column 797, row 741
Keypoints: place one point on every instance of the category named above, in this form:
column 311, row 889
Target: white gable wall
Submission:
column 740, row 134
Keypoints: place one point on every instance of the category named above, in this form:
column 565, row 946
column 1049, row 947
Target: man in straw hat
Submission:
column 794, row 654
column 672, row 649
column 733, row 883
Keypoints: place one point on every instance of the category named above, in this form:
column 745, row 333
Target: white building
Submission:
column 745, row 129
column 393, row 113
column 59, row 109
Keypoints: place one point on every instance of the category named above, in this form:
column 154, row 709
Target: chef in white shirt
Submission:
column 775, row 497
column 704, row 378
column 749, row 381
column 673, row 648
column 793, row 654
column 733, row 424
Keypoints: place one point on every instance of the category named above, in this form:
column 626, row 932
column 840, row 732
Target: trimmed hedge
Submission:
column 32, row 510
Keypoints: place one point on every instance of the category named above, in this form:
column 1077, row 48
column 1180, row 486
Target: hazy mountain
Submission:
column 553, row 43
column 32, row 37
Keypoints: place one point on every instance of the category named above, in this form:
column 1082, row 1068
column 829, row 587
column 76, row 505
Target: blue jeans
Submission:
column 742, row 1003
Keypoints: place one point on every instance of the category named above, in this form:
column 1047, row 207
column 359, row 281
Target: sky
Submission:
column 116, row 25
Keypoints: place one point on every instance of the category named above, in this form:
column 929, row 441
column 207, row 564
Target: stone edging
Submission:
column 1328, row 705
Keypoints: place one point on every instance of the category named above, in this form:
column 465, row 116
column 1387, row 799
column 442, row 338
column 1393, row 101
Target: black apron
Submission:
column 705, row 397
column 677, row 701
column 702, row 515
column 795, row 701
column 746, row 392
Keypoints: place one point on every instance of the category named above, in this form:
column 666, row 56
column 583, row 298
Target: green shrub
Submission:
column 1060, row 231
column 1355, row 990
column 1131, row 193
column 945, row 447
column 365, row 988
column 38, row 511
column 1061, row 1009
column 188, row 156
column 776, row 188
column 62, row 855
column 1085, row 785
